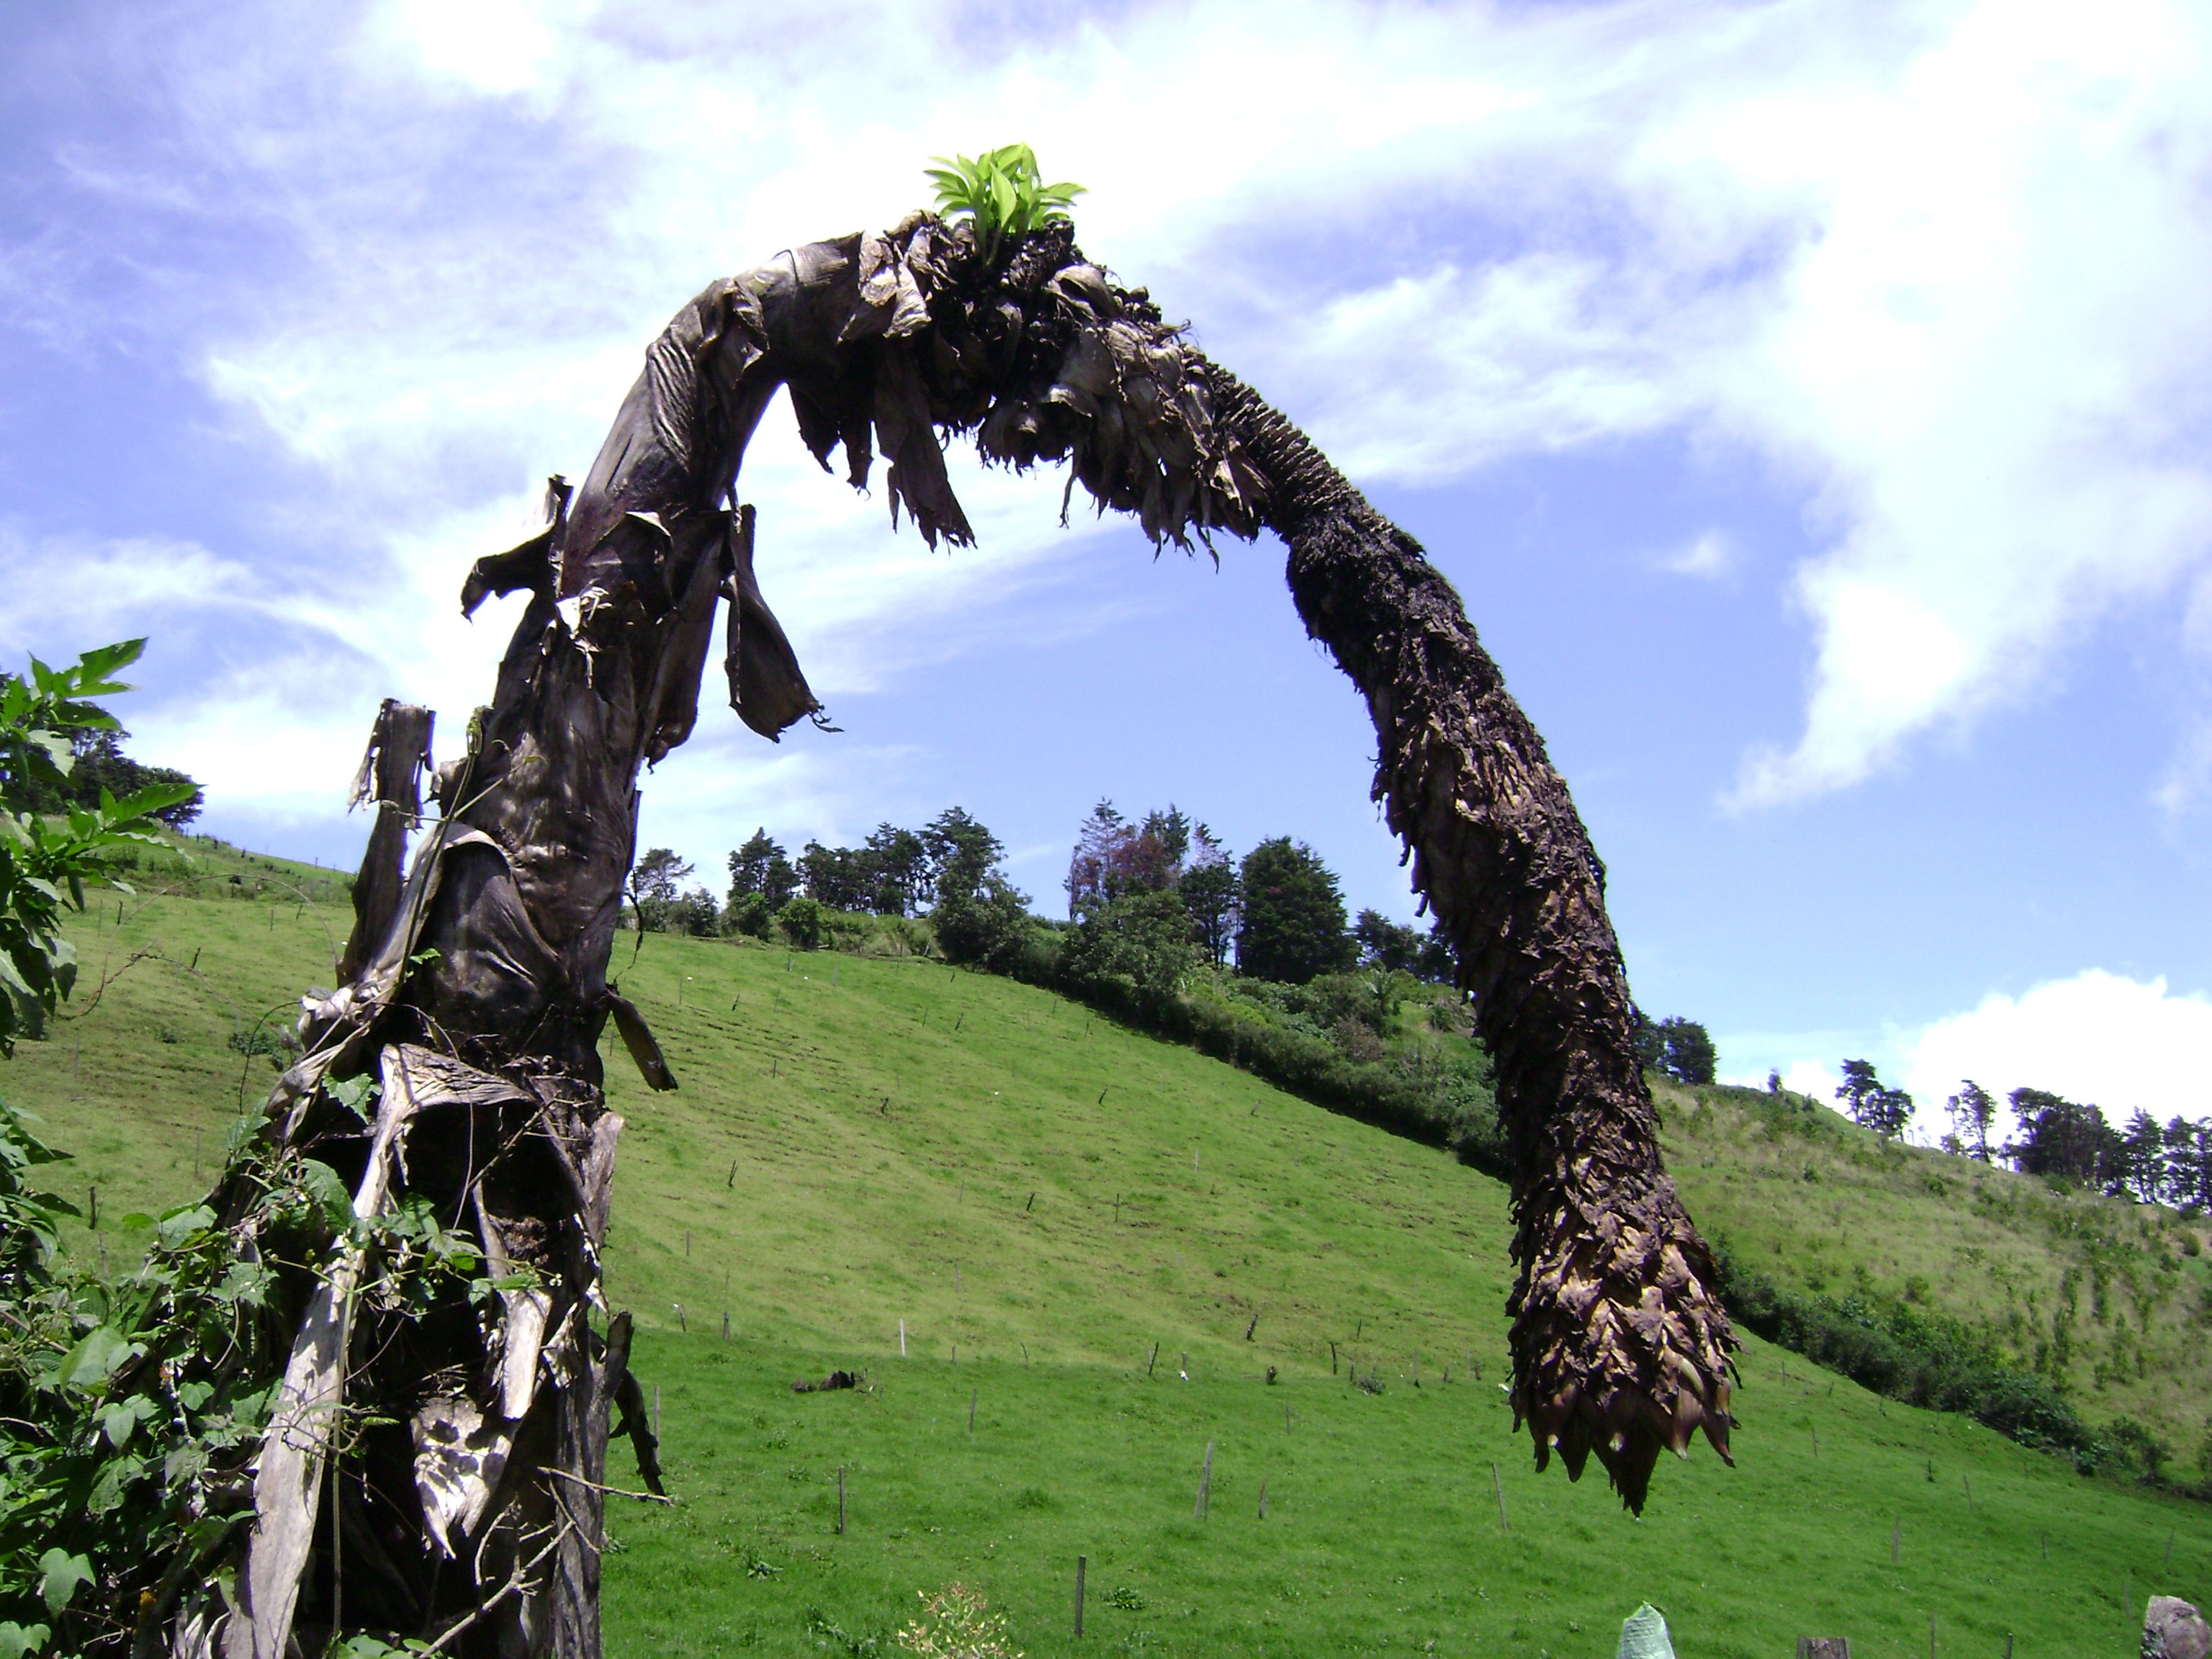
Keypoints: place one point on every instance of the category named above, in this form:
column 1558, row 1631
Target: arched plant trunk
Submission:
column 471, row 1512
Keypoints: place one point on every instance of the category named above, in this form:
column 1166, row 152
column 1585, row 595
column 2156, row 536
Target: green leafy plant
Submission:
column 44, row 864
column 1002, row 193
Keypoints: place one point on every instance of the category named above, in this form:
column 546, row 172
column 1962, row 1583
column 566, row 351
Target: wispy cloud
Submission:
column 1944, row 268
column 1707, row 555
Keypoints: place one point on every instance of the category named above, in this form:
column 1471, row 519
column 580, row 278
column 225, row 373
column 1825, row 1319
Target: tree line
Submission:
column 2150, row 1162
column 1149, row 889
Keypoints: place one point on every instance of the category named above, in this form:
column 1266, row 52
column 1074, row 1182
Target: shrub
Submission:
column 806, row 922
column 1138, row 944
column 1924, row 1359
column 989, row 927
column 750, row 914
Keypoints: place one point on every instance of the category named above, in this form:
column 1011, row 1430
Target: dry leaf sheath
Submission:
column 478, row 983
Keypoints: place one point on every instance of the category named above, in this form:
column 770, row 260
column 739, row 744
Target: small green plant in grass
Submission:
column 1002, row 193
column 961, row 1630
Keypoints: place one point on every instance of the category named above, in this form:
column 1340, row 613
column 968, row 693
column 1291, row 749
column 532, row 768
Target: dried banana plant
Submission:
column 436, row 1460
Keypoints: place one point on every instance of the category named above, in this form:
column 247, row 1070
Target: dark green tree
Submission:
column 2143, row 1158
column 2064, row 1138
column 761, row 866
column 1402, row 948
column 1685, row 1051
column 1292, row 926
column 101, row 764
column 897, row 864
column 962, row 853
column 842, row 878
column 1139, row 942
column 656, row 885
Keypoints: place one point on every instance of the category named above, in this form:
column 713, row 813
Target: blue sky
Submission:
column 1810, row 402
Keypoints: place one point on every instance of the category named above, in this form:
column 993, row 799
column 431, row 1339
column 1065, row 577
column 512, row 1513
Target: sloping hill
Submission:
column 862, row 1141
column 2110, row 1301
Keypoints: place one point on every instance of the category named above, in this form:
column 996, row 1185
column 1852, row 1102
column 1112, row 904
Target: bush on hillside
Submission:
column 750, row 916
column 1924, row 1359
column 1138, row 944
column 990, row 927
column 804, row 922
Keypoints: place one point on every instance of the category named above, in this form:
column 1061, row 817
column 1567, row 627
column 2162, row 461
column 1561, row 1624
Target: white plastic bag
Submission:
column 1643, row 1635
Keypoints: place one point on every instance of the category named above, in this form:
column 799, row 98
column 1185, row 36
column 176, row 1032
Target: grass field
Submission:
column 863, row 1141
column 2109, row 1300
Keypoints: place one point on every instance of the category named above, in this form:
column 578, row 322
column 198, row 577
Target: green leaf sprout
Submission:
column 1002, row 192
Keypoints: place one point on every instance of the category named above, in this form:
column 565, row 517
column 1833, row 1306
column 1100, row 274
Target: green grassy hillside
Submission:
column 2110, row 1300
column 858, row 1142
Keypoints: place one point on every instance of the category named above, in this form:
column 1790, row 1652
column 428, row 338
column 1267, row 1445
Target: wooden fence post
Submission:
column 840, row 1500
column 1154, row 1360
column 1263, row 1498
column 1205, row 1483
column 1081, row 1562
column 902, row 1339
column 1497, row 1484
column 972, row 1393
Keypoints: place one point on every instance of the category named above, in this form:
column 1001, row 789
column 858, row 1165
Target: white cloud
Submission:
column 2124, row 1044
column 1708, row 555
column 1945, row 266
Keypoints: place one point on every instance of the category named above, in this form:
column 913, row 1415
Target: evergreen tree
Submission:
column 962, row 855
column 1685, row 1051
column 980, row 918
column 761, row 866
column 839, row 878
column 1292, row 926
column 2064, row 1138
column 897, row 865
column 2142, row 1158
